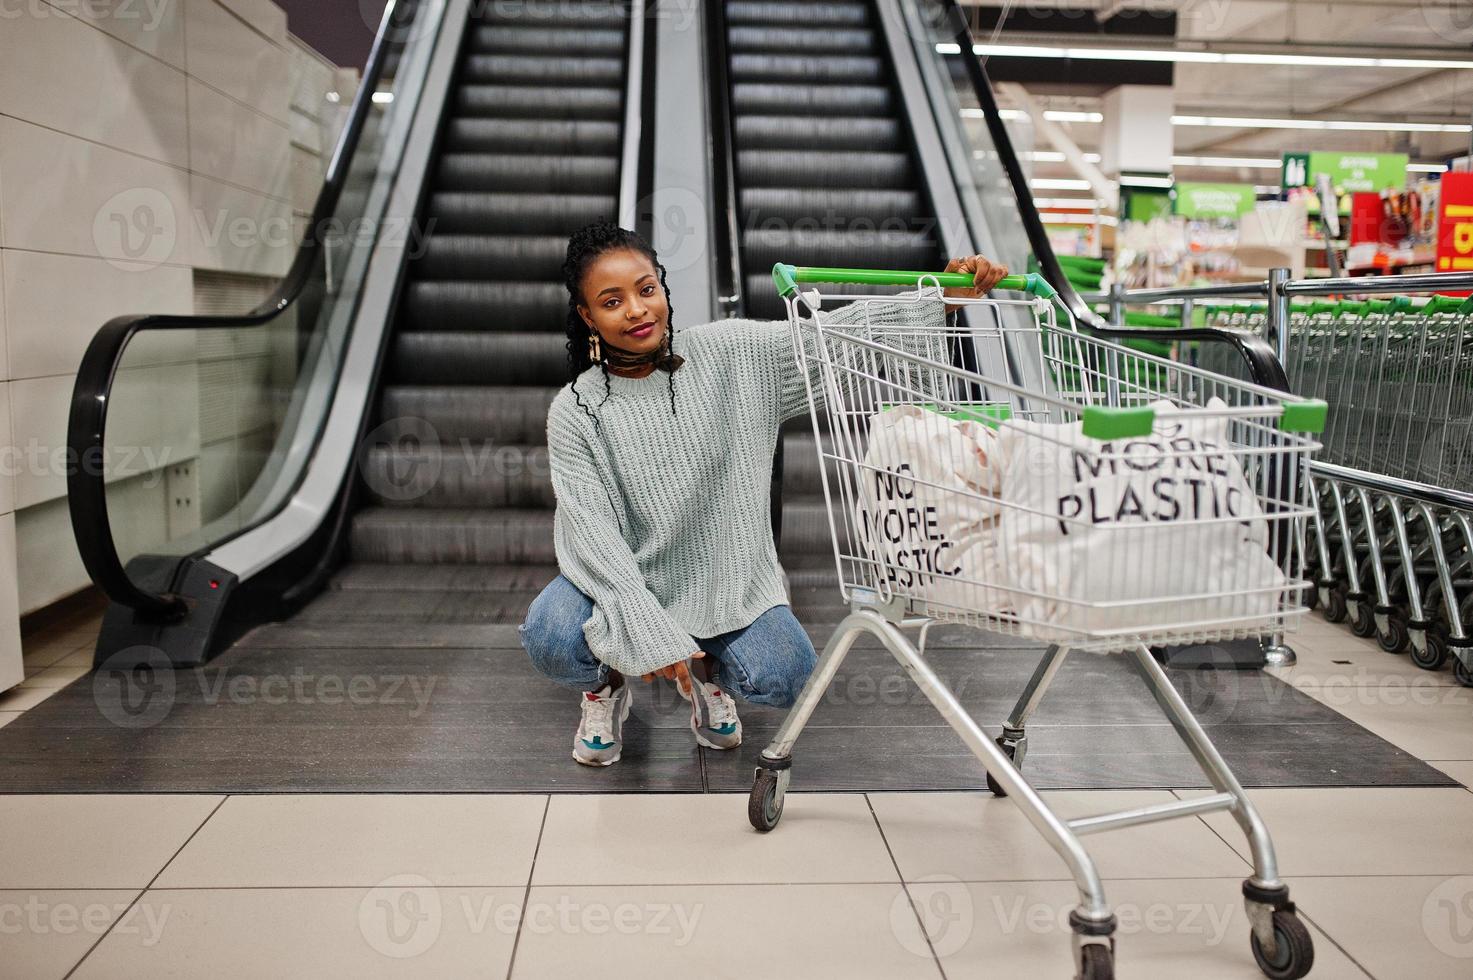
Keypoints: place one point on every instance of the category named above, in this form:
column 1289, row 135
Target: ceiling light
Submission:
column 1203, row 57
column 1059, row 184
column 383, row 98
column 1045, row 156
column 1235, row 122
column 1139, row 180
column 1066, row 202
column 1261, row 163
column 1426, row 168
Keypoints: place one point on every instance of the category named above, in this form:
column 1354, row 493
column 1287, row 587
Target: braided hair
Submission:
column 585, row 245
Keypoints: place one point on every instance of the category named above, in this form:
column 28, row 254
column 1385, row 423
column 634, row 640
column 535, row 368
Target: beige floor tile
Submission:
column 1397, row 926
column 24, row 698
column 816, row 932
column 347, row 841
column 401, row 929
column 99, row 841
column 1168, row 930
column 6, row 717
column 977, row 837
column 1322, row 655
column 43, row 934
column 81, row 657
column 1429, row 721
column 705, row 838
column 54, row 677
column 1378, row 831
column 1461, row 771
column 45, row 653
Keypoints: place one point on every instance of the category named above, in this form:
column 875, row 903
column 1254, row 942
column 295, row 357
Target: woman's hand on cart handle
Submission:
column 985, row 275
column 679, row 672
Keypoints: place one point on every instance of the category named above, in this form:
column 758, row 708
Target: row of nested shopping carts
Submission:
column 1391, row 548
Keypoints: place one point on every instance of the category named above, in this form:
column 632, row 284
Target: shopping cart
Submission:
column 1393, row 523
column 892, row 358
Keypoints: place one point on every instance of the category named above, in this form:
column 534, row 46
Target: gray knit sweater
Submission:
column 663, row 519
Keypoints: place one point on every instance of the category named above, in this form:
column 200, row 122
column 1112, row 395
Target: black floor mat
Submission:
column 316, row 706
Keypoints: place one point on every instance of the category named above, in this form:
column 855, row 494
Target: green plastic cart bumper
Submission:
column 786, row 278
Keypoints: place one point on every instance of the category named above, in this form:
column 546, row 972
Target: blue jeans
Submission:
column 765, row 663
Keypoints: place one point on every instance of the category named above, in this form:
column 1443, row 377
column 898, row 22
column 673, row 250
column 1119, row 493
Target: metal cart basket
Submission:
column 1070, row 490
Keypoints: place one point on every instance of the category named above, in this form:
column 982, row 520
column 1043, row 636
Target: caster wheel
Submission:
column 1462, row 674
column 1336, row 605
column 1295, row 953
column 992, row 784
column 765, row 805
column 1363, row 623
column 1435, row 656
column 1396, row 638
column 1098, row 963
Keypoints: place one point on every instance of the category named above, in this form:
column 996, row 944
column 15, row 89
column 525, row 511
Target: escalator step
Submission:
column 841, row 40
column 478, row 473
column 817, row 132
column 823, row 168
column 800, row 68
column 550, row 13
column 807, row 100
column 458, row 535
column 528, row 102
column 570, row 42
column 531, row 172
column 373, row 577
column 514, row 257
column 533, row 214
column 585, row 137
column 499, row 357
column 807, row 15
column 536, row 70
column 816, row 204
column 855, row 249
column 471, row 305
column 509, row 414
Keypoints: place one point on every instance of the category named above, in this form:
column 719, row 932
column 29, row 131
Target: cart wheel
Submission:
column 1396, row 637
column 1008, row 750
column 765, row 805
column 1363, row 623
column 1098, row 962
column 1336, row 605
column 1435, row 656
column 1462, row 674
column 1295, row 953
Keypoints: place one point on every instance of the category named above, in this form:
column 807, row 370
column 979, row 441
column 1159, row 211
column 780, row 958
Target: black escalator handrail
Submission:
column 730, row 286
column 92, row 391
column 1263, row 363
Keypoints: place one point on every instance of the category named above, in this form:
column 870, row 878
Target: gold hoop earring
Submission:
column 595, row 351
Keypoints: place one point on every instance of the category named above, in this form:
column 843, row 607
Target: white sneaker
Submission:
column 713, row 717
column 600, row 737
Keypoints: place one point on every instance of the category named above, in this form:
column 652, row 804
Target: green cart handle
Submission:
column 786, row 278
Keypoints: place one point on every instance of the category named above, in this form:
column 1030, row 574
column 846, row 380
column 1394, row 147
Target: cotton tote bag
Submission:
column 1132, row 536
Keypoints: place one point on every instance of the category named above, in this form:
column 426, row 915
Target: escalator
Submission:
column 456, row 503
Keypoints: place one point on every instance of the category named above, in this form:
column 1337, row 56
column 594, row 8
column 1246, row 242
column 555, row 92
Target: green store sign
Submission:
column 1214, row 200
column 1348, row 171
